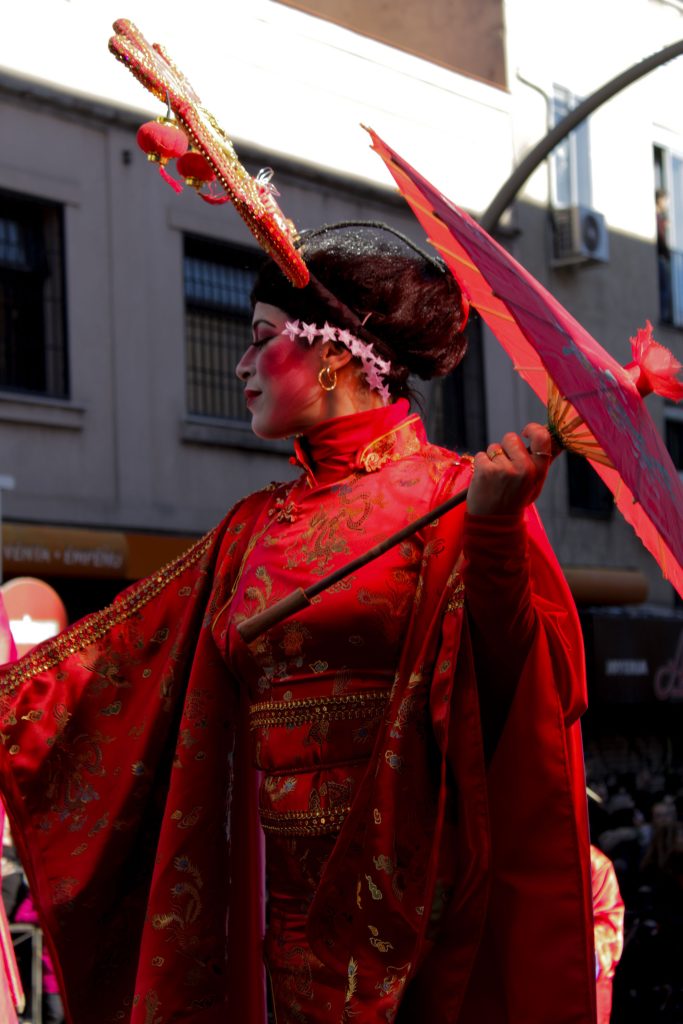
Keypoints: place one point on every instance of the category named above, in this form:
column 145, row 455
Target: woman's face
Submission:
column 280, row 377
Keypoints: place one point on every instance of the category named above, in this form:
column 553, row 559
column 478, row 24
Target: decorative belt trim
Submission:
column 311, row 709
column 303, row 823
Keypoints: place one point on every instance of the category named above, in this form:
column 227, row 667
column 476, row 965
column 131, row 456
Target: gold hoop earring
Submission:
column 327, row 378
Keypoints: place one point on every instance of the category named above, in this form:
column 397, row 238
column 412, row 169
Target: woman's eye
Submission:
column 261, row 341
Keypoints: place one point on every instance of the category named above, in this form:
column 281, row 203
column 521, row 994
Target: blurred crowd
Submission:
column 637, row 821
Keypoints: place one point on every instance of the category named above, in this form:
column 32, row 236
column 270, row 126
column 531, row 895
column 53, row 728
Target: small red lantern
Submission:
column 195, row 169
column 162, row 140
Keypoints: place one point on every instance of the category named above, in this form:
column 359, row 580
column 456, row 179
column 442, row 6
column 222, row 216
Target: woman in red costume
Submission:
column 408, row 743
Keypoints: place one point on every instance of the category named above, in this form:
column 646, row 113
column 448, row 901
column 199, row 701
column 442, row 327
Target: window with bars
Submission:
column 218, row 279
column 456, row 412
column 33, row 356
column 570, row 160
column 673, row 435
column 588, row 495
column 669, row 214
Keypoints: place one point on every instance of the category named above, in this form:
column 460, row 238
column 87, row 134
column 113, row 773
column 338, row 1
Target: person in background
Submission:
column 608, row 924
column 663, row 255
column 11, row 991
column 51, row 1001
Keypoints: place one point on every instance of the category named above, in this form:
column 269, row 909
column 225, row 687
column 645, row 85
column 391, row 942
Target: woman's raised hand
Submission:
column 509, row 476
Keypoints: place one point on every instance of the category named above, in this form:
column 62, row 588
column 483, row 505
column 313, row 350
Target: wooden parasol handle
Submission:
column 252, row 628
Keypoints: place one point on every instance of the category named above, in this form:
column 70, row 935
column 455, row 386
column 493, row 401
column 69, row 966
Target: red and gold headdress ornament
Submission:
column 204, row 155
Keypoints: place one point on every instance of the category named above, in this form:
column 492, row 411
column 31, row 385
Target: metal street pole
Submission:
column 505, row 195
column 6, row 484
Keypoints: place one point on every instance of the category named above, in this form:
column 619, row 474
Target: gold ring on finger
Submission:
column 494, row 454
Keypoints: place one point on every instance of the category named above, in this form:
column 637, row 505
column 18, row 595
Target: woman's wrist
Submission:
column 497, row 538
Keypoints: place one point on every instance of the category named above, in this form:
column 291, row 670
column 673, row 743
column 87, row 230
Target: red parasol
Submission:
column 595, row 406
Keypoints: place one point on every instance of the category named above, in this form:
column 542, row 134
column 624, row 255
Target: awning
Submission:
column 57, row 551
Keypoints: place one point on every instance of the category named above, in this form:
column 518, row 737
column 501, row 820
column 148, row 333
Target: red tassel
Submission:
column 175, row 185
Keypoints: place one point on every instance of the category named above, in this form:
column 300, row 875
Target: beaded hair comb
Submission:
column 253, row 198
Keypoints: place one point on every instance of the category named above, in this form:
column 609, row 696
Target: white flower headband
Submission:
column 375, row 368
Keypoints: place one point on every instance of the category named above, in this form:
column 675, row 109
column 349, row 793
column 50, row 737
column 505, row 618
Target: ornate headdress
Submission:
column 205, row 157
column 204, row 154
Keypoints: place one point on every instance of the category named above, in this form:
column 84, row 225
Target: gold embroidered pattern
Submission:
column 399, row 443
column 457, row 598
column 75, row 639
column 152, row 1004
column 324, row 537
column 294, row 638
column 392, row 601
column 284, row 513
column 352, row 974
column 381, row 944
column 300, row 712
column 221, row 602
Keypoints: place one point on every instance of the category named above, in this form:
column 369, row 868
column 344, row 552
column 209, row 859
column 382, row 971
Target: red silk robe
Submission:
column 126, row 760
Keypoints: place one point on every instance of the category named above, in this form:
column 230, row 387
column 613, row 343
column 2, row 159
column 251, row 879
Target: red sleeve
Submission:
column 500, row 610
column 497, row 580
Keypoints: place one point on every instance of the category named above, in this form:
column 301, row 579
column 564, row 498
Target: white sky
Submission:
column 291, row 83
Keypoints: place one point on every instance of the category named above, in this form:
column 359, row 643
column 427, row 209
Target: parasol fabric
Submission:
column 546, row 344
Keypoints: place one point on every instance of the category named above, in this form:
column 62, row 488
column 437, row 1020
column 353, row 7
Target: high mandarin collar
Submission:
column 362, row 441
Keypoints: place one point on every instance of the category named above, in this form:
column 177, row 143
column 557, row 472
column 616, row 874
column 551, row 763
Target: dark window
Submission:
column 674, row 441
column 32, row 317
column 570, row 159
column 588, row 495
column 673, row 435
column 456, row 417
column 218, row 282
column 669, row 215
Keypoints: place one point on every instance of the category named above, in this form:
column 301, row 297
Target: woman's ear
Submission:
column 335, row 355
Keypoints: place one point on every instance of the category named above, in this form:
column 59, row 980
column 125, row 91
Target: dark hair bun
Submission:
column 369, row 278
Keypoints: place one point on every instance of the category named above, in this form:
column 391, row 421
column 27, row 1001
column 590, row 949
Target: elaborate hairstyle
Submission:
column 373, row 281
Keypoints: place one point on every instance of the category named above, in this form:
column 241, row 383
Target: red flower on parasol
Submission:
column 654, row 368
column 595, row 406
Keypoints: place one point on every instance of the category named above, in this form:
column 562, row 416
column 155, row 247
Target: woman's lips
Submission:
column 249, row 395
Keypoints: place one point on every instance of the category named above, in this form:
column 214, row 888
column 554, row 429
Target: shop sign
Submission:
column 635, row 659
column 668, row 678
column 63, row 551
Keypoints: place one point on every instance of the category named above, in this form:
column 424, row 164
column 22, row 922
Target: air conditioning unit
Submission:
column 580, row 236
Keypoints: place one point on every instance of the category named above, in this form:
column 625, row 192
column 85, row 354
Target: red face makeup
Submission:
column 280, row 377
